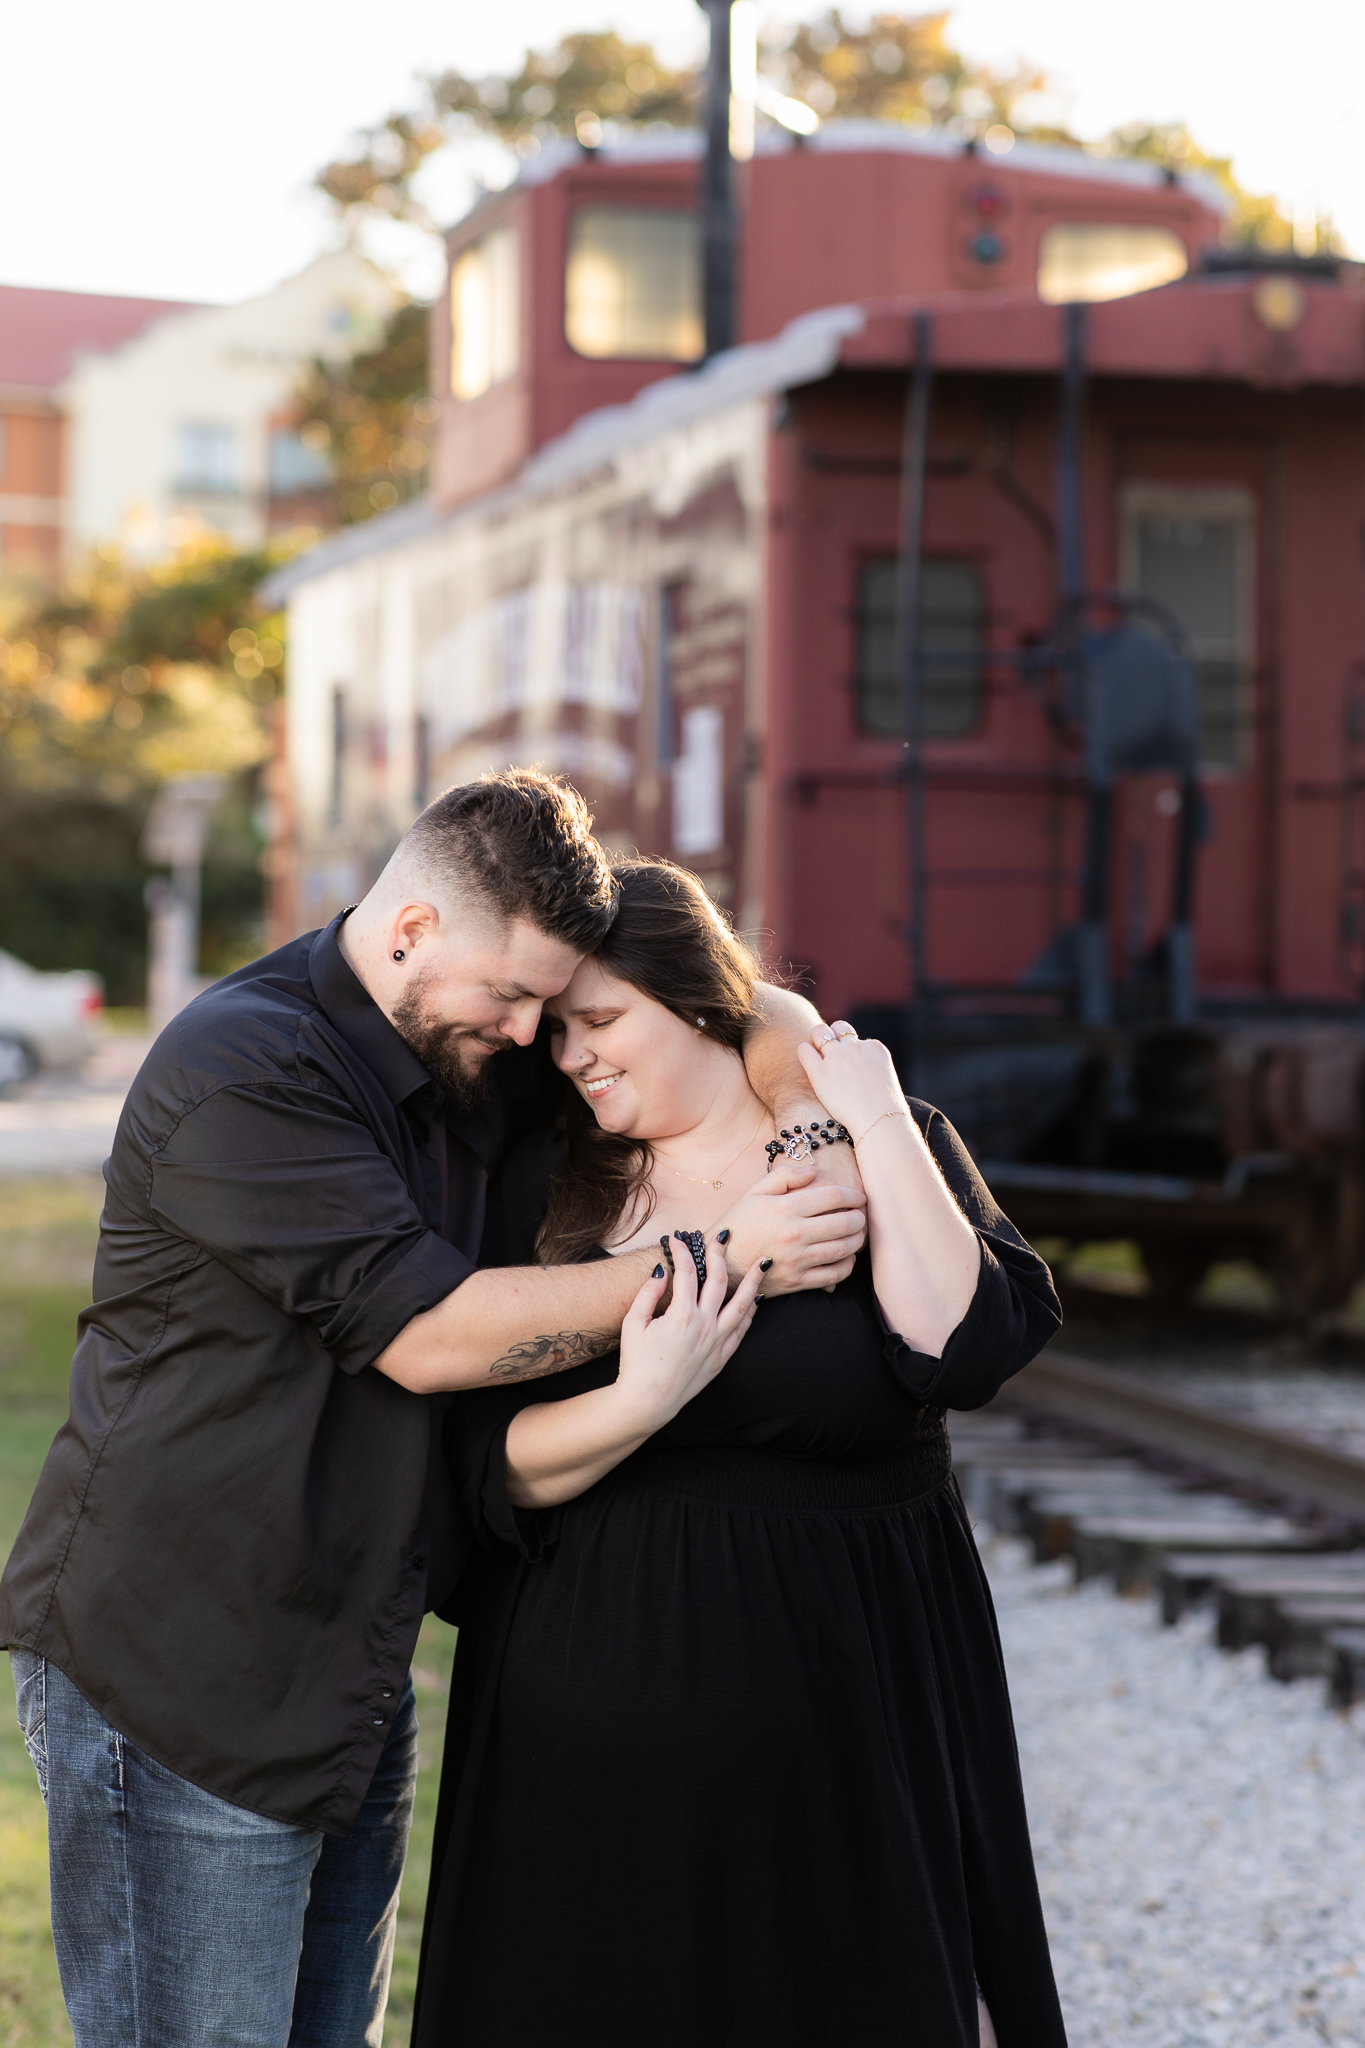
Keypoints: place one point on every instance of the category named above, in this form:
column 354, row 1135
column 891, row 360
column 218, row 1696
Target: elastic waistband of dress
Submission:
column 768, row 1479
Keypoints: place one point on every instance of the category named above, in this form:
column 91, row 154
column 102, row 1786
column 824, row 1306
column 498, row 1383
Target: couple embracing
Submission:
column 505, row 1248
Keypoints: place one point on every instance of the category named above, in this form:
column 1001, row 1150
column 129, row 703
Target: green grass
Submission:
column 47, row 1237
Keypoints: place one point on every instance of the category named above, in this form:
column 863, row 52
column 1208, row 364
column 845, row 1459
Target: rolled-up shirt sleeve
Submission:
column 286, row 1184
column 1014, row 1310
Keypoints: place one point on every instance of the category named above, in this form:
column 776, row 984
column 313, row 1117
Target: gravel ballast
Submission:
column 1199, row 1829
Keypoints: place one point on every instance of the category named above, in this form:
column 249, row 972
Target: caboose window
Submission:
column 632, row 283
column 1192, row 551
column 1106, row 260
column 952, row 619
column 485, row 314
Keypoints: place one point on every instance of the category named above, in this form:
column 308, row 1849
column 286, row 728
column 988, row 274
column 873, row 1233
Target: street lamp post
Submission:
column 174, row 836
column 720, row 220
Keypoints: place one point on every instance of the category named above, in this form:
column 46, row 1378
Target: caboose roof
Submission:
column 662, row 144
column 1204, row 327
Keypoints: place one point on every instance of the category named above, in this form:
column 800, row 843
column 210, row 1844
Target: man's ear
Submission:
column 416, row 924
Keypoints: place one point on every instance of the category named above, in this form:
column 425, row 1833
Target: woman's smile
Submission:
column 601, row 1082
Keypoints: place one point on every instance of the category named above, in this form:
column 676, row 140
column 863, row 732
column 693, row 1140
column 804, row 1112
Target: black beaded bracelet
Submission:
column 695, row 1241
column 798, row 1144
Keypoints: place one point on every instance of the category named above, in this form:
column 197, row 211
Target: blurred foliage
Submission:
column 894, row 67
column 371, row 418
column 596, row 75
column 108, row 685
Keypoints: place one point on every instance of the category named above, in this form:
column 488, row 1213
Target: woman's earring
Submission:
column 701, row 1023
column 399, row 953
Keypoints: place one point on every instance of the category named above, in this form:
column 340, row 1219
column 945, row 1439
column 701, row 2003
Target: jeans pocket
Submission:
column 30, row 1694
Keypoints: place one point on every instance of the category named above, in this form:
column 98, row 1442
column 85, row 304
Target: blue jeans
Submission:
column 183, row 1922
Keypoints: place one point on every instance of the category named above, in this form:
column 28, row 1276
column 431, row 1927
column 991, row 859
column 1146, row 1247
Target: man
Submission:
column 214, row 1597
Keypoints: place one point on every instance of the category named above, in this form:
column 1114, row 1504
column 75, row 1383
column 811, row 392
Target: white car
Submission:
column 46, row 1020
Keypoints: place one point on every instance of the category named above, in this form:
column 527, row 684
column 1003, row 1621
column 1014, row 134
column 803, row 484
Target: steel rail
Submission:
column 1127, row 1403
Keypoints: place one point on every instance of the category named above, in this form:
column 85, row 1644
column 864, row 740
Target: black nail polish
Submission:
column 658, row 1273
column 722, row 1237
column 764, row 1265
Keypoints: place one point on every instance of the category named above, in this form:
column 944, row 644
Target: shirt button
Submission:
column 387, row 1693
column 379, row 1720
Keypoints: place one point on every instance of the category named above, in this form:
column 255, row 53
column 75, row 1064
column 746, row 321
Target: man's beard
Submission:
column 437, row 1046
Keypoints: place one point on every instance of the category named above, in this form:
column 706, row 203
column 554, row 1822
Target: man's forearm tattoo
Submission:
column 536, row 1357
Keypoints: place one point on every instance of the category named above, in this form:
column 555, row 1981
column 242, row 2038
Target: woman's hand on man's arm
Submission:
column 926, row 1257
column 772, row 1060
column 557, row 1449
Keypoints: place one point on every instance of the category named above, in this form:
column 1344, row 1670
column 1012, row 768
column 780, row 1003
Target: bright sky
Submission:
column 164, row 150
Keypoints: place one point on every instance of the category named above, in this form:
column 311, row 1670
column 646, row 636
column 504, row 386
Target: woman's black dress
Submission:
column 730, row 1761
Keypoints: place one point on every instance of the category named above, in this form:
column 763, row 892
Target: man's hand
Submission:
column 810, row 1229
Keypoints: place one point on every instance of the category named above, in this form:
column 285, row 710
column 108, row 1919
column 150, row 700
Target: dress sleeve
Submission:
column 476, row 1428
column 1014, row 1310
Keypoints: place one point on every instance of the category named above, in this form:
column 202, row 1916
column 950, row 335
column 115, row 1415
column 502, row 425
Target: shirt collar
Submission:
column 363, row 1025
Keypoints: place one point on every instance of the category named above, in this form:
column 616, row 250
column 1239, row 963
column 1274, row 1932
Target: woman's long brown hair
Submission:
column 671, row 943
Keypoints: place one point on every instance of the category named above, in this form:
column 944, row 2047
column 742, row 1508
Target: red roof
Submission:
column 42, row 333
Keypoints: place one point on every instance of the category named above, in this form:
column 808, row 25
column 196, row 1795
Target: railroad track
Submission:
column 1156, row 1491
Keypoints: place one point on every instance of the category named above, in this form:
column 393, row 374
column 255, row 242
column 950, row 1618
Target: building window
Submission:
column 632, row 283
column 1193, row 552
column 1093, row 260
column 699, row 782
column 951, row 635
column 295, row 465
column 485, row 314
column 208, row 458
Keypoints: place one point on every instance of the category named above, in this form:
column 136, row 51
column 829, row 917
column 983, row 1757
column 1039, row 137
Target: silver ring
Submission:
column 830, row 1037
column 844, row 1034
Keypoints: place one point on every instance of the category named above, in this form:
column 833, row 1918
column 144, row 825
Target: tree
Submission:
column 896, row 68
column 108, row 686
column 902, row 68
column 371, row 416
column 597, row 75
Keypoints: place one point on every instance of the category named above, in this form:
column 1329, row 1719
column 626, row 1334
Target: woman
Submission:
column 730, row 1761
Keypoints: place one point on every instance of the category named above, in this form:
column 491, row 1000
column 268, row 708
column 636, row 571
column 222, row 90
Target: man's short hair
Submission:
column 523, row 841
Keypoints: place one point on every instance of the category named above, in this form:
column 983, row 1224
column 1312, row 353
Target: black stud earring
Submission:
column 398, row 953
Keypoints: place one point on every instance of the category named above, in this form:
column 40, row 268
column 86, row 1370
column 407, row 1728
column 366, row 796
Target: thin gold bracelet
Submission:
column 898, row 1111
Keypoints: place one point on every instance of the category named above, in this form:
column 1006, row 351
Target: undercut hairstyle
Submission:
column 523, row 842
column 671, row 943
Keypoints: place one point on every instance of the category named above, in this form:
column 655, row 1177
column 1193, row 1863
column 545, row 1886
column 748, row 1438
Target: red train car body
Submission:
column 1133, row 976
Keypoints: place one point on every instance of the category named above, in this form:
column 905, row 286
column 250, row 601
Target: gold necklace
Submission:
column 702, row 1182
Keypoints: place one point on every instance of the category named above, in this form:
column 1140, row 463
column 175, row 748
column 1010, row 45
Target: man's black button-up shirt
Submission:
column 230, row 1547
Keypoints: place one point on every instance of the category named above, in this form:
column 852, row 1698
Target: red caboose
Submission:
column 1081, row 842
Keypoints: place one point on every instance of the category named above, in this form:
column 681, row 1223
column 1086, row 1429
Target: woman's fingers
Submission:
column 812, row 1060
column 640, row 1314
column 740, row 1307
column 685, row 1288
column 712, row 1296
